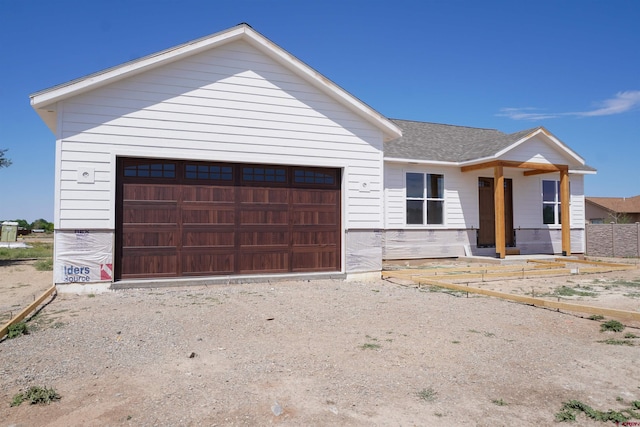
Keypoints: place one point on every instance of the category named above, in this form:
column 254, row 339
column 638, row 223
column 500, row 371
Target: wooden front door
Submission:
column 487, row 226
column 185, row 218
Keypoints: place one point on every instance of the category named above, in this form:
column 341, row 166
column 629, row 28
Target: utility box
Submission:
column 9, row 232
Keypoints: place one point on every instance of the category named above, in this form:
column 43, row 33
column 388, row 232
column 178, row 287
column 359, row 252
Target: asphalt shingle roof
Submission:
column 449, row 143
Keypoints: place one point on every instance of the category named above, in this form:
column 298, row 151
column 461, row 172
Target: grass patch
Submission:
column 37, row 250
column 499, row 402
column 370, row 346
column 633, row 295
column 596, row 317
column 17, row 329
column 566, row 291
column 44, row 264
column 613, row 341
column 571, row 408
column 635, row 283
column 427, row 394
column 611, row 325
column 630, row 335
column 36, row 395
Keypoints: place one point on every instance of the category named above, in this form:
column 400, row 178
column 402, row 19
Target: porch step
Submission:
column 512, row 251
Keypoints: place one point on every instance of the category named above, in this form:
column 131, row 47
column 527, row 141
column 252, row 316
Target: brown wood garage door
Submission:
column 187, row 218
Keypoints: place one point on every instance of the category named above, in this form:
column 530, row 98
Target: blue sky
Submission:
column 572, row 66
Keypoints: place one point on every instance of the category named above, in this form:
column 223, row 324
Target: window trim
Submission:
column 556, row 204
column 425, row 199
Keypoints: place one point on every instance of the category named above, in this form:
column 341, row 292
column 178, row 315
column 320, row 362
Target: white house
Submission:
column 227, row 156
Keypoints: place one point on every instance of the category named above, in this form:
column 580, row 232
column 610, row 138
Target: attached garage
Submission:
column 180, row 218
column 220, row 159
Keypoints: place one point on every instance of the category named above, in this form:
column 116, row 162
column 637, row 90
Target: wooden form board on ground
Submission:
column 24, row 313
column 538, row 302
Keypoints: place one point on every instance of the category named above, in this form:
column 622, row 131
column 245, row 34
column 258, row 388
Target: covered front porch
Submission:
column 496, row 234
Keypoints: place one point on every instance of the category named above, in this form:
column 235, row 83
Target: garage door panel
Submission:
column 211, row 237
column 314, row 259
column 271, row 216
column 265, row 195
column 314, row 197
column 210, row 214
column 150, row 192
column 198, row 264
column 156, row 236
column 315, row 217
column 149, row 263
column 199, row 193
column 314, row 238
column 277, row 237
column 264, row 261
column 150, row 213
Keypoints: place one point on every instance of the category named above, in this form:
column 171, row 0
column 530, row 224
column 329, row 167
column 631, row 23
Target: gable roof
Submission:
column 617, row 204
column 44, row 101
column 461, row 145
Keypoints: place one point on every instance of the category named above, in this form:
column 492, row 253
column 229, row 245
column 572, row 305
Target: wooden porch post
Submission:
column 498, row 198
column 564, row 212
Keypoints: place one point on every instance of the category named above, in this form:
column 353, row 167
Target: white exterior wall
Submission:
column 231, row 104
column 538, row 150
column 461, row 213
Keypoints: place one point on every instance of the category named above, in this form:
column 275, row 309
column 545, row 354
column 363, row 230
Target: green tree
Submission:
column 4, row 162
column 42, row 224
column 22, row 223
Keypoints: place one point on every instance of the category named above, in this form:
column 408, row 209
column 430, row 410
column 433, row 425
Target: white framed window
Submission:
column 425, row 199
column 551, row 202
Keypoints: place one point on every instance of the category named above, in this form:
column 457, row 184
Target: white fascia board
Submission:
column 420, row 162
column 75, row 87
column 582, row 172
column 550, row 137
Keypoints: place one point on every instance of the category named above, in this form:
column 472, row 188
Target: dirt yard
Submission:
column 317, row 353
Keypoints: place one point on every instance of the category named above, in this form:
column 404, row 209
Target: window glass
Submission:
column 261, row 174
column 549, row 191
column 435, row 186
column 307, row 176
column 435, row 212
column 151, row 170
column 415, row 214
column 214, row 172
column 415, row 185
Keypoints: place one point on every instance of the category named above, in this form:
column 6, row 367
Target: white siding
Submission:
column 461, row 210
column 537, row 150
column 230, row 104
column 461, row 196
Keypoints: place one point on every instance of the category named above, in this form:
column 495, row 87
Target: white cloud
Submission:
column 525, row 114
column 620, row 103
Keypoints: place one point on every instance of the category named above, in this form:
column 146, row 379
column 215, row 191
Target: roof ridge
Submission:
column 444, row 124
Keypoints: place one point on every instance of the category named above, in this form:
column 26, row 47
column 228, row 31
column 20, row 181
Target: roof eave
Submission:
column 420, row 161
column 50, row 96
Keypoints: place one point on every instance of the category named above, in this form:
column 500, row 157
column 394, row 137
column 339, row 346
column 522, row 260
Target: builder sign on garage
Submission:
column 84, row 256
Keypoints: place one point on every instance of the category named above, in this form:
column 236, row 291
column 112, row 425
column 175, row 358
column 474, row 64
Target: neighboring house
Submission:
column 604, row 210
column 229, row 156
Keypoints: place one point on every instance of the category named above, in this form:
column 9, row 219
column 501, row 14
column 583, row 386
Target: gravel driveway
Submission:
column 312, row 353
